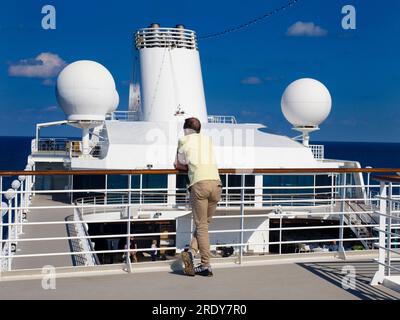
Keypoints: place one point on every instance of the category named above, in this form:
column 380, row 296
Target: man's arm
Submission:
column 180, row 162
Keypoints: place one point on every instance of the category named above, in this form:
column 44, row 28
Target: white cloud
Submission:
column 306, row 29
column 45, row 66
column 251, row 80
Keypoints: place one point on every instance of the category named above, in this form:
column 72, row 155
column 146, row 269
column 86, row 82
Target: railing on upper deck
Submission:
column 222, row 119
column 136, row 116
column 50, row 145
column 165, row 38
column 249, row 206
column 64, row 147
column 124, row 116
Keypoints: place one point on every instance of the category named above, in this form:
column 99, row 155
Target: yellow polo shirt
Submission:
column 199, row 155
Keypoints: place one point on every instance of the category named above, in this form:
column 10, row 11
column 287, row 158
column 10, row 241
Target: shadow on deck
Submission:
column 339, row 274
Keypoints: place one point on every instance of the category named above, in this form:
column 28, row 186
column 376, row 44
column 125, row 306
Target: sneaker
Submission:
column 187, row 259
column 203, row 271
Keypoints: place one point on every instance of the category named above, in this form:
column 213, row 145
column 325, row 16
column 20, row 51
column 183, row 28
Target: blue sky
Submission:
column 244, row 73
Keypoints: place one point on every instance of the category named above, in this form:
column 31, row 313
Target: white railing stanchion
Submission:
column 71, row 194
column 389, row 225
column 243, row 185
column 368, row 186
column 21, row 204
column 341, row 251
column 280, row 235
column 128, row 238
column 106, row 185
column 380, row 274
column 8, row 244
column 15, row 216
column 140, row 192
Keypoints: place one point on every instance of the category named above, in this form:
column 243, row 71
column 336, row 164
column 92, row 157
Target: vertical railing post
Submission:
column 226, row 190
column 33, row 182
column 26, row 196
column 128, row 242
column 16, row 216
column 315, row 181
column 280, row 233
column 71, row 194
column 21, row 205
column 140, row 190
column 368, row 186
column 9, row 235
column 380, row 274
column 389, row 225
column 242, row 217
column 341, row 252
column 332, row 189
column 106, row 187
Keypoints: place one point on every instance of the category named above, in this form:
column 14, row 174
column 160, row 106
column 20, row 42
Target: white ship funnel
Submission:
column 171, row 80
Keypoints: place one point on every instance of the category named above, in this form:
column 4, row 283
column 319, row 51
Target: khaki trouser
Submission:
column 204, row 197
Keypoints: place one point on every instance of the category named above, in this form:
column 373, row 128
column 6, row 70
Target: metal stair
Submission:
column 356, row 220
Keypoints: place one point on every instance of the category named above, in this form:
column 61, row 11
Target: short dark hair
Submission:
column 192, row 123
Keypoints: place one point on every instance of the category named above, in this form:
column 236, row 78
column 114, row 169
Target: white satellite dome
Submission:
column 306, row 102
column 86, row 91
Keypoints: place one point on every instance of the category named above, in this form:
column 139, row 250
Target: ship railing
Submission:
column 222, row 119
column 165, row 38
column 53, row 145
column 124, row 116
column 65, row 147
column 388, row 244
column 136, row 116
column 181, row 197
column 248, row 229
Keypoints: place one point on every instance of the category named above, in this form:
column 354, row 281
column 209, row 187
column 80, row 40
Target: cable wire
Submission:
column 251, row 22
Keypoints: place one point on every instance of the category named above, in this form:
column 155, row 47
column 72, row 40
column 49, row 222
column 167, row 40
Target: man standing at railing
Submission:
column 196, row 155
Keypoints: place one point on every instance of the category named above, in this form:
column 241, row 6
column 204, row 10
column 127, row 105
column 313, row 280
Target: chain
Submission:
column 251, row 22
